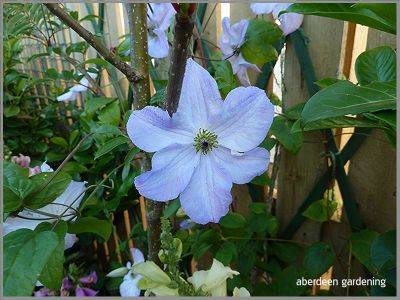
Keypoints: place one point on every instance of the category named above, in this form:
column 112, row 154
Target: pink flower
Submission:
column 44, row 292
column 66, row 286
column 21, row 160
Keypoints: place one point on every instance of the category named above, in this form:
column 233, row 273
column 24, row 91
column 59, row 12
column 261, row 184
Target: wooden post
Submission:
column 299, row 173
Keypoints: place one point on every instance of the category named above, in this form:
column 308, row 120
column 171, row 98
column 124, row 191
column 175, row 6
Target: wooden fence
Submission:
column 333, row 46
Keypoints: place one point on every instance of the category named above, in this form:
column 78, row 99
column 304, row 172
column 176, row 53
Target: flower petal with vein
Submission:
column 232, row 39
column 288, row 22
column 129, row 286
column 207, row 145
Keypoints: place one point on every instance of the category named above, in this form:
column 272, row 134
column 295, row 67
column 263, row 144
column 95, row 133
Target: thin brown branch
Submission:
column 131, row 74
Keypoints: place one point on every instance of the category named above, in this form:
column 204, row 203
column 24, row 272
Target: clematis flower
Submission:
column 81, row 87
column 288, row 22
column 207, row 145
column 90, row 279
column 154, row 280
column 74, row 191
column 129, row 286
column 85, row 292
column 213, row 281
column 232, row 39
column 158, row 20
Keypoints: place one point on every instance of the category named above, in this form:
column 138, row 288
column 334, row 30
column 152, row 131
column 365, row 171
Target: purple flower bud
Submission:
column 44, row 292
column 89, row 279
column 85, row 292
column 22, row 160
column 66, row 284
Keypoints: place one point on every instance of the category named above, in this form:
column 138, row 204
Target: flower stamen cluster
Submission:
column 205, row 141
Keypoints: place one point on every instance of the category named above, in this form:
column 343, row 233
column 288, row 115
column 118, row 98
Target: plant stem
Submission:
column 182, row 34
column 95, row 42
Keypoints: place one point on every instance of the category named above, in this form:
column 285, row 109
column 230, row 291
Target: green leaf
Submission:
column 379, row 18
column 321, row 210
column 226, row 253
column 16, row 186
column 158, row 99
column 97, row 61
column 60, row 142
column 111, row 114
column 46, row 192
column 262, row 180
column 26, row 253
column 325, row 82
column 110, row 146
column 318, row 258
column 53, row 272
column 378, row 64
column 172, row 208
column 344, row 98
column 361, row 247
column 93, row 104
column 258, row 46
column 383, row 251
column 286, row 252
column 281, row 128
column 102, row 228
column 233, row 221
column 285, row 283
column 225, row 78
column 11, row 111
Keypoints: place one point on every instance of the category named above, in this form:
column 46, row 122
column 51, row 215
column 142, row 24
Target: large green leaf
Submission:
column 378, row 64
column 224, row 76
column 260, row 36
column 233, row 220
column 46, row 191
column 383, row 251
column 53, row 272
column 110, row 114
column 102, row 228
column 378, row 16
column 318, row 258
column 110, row 146
column 16, row 186
column 281, row 128
column 26, row 252
column 361, row 247
column 344, row 98
column 321, row 210
column 92, row 104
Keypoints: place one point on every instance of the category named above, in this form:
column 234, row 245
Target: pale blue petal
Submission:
column 208, row 194
column 200, row 98
column 245, row 119
column 158, row 44
column 262, row 8
column 290, row 22
column 137, row 255
column 151, row 129
column 243, row 167
column 129, row 286
column 173, row 169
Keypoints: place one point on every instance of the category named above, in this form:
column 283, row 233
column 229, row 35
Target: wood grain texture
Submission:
column 299, row 173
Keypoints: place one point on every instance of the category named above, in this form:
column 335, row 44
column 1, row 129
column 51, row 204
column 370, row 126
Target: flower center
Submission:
column 205, row 141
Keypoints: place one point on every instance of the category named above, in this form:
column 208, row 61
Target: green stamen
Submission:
column 205, row 141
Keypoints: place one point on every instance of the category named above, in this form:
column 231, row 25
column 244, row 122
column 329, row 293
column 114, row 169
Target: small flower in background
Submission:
column 207, row 145
column 158, row 20
column 44, row 292
column 242, row 292
column 66, row 287
column 21, row 160
column 90, row 279
column 288, row 22
column 232, row 39
column 85, row 292
column 81, row 87
column 72, row 195
column 187, row 224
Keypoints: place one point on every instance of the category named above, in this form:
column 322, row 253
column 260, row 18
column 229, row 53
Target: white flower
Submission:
column 213, row 281
column 288, row 22
column 193, row 156
column 75, row 190
column 158, row 20
column 242, row 292
column 232, row 39
column 129, row 286
column 73, row 92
